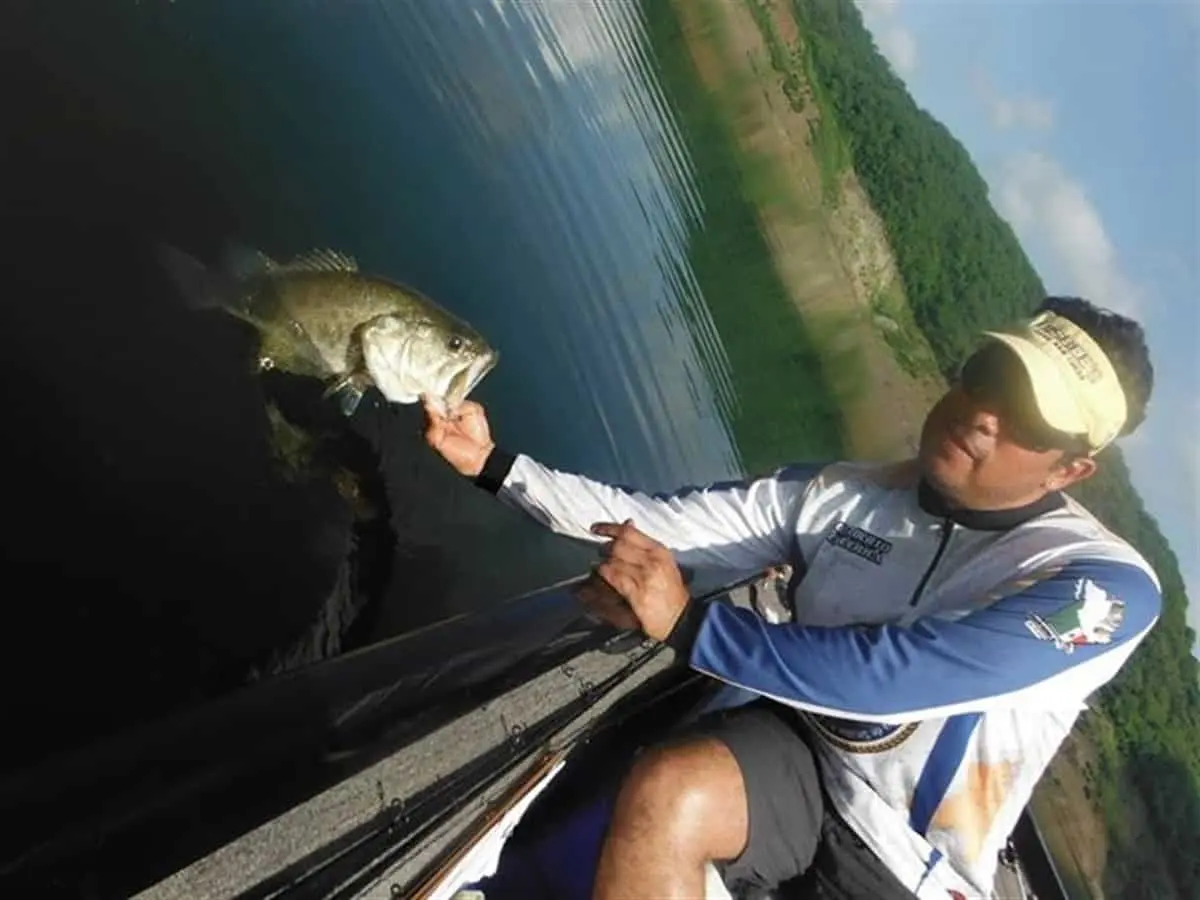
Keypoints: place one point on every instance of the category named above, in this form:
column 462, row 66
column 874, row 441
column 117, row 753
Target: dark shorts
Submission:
column 797, row 843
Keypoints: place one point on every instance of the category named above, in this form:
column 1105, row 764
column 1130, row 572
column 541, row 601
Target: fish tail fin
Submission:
column 199, row 286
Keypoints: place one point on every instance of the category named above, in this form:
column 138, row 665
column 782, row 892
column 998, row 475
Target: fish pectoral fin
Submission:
column 321, row 260
column 348, row 398
column 349, row 391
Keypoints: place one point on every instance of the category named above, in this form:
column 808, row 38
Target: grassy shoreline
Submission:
column 793, row 264
column 765, row 338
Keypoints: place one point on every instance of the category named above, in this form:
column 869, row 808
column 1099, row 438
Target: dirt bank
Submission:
column 832, row 257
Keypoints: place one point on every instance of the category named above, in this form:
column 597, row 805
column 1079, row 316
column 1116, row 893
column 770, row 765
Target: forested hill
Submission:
column 964, row 270
column 962, row 265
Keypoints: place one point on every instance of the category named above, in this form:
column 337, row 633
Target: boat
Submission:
column 479, row 753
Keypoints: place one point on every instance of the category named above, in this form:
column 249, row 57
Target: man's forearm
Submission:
column 739, row 526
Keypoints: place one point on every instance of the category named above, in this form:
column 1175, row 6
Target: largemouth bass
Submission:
column 319, row 316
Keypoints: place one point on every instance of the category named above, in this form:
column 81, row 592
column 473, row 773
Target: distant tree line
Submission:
column 964, row 270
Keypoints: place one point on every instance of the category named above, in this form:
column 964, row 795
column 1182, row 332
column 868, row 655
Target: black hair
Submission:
column 1123, row 342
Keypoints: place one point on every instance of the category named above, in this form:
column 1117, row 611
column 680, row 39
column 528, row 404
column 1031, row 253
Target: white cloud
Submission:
column 1008, row 112
column 878, row 8
column 900, row 47
column 1045, row 205
column 895, row 41
column 1031, row 112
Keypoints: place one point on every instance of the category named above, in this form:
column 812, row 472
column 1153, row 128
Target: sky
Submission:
column 1083, row 116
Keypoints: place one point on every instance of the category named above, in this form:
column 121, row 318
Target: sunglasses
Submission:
column 994, row 377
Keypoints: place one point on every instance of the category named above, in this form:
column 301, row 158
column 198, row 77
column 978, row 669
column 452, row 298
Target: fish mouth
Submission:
column 468, row 379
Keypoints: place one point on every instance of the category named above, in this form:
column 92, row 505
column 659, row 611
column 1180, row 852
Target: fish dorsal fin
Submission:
column 321, row 261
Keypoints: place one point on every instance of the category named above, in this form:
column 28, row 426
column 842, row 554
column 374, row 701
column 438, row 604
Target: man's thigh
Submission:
column 785, row 806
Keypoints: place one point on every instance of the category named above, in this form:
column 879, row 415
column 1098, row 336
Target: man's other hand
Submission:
column 645, row 573
column 599, row 599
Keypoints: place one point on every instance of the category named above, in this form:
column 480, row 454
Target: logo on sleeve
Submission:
column 1093, row 617
column 859, row 542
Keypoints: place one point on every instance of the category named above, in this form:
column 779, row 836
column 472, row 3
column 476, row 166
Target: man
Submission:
column 951, row 615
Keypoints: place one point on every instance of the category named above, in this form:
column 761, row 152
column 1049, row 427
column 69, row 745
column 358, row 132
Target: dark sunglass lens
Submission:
column 994, row 375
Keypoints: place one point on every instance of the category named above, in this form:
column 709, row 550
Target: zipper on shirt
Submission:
column 947, row 530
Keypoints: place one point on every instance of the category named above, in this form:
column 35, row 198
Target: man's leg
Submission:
column 741, row 786
column 679, row 807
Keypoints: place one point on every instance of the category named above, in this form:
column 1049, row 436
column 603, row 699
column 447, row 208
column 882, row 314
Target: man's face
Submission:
column 984, row 445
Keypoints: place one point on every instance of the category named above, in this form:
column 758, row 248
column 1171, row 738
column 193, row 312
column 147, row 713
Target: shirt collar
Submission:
column 985, row 519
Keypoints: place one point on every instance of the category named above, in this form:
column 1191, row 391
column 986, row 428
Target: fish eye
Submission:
column 455, row 342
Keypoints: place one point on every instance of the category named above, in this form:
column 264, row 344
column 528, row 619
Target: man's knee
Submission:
column 691, row 793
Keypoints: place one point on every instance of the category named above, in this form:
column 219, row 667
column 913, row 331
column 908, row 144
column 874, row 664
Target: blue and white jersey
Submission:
column 941, row 657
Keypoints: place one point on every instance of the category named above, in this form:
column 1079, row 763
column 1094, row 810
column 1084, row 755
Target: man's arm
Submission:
column 739, row 526
column 1053, row 642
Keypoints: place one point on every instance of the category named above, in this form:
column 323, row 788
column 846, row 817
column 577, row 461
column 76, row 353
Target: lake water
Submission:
column 514, row 160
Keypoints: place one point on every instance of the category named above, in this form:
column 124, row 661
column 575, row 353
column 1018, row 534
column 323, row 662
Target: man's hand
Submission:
column 645, row 573
column 462, row 438
column 599, row 599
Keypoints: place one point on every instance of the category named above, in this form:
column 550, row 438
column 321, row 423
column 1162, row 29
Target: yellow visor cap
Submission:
column 1074, row 384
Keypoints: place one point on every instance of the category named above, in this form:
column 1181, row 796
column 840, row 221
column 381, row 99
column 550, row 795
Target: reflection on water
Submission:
column 513, row 160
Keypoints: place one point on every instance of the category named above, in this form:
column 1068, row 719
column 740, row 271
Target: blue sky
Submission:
column 1084, row 118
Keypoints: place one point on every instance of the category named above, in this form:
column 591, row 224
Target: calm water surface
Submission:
column 513, row 160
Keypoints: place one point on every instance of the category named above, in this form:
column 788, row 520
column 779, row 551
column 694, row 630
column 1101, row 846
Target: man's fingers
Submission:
column 629, row 544
column 606, row 529
column 436, row 412
column 435, row 430
column 431, row 409
column 468, row 409
column 622, row 576
column 619, row 615
column 599, row 598
column 434, row 420
column 625, row 551
column 611, row 609
column 625, row 532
